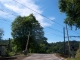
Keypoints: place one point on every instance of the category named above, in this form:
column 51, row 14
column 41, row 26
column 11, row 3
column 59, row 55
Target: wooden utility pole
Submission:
column 64, row 38
column 26, row 50
column 68, row 41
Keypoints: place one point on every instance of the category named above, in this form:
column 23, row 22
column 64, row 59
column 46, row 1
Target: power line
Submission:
column 75, row 36
column 37, row 12
column 55, row 30
column 76, row 32
column 55, row 34
column 34, row 11
column 1, row 19
column 48, row 27
column 5, row 19
column 7, row 12
column 41, row 15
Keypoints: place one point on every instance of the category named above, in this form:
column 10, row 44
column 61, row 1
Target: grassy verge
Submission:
column 73, row 58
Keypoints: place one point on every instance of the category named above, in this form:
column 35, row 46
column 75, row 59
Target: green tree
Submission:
column 21, row 27
column 72, row 10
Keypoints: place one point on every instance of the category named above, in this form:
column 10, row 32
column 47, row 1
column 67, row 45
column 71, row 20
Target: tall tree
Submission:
column 72, row 10
column 21, row 27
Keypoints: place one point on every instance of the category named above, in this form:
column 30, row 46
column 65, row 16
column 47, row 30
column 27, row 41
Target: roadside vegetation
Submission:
column 77, row 56
column 73, row 58
column 57, row 47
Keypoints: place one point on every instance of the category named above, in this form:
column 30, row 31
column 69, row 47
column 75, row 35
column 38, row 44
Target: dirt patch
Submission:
column 17, row 57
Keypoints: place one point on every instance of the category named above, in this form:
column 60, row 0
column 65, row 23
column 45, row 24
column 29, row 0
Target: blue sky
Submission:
column 10, row 9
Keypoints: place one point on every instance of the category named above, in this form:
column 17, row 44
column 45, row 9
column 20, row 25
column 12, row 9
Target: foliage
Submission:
column 11, row 53
column 72, row 9
column 7, row 53
column 21, row 27
column 73, row 59
column 14, row 49
column 42, row 48
column 58, row 47
column 78, row 54
column 45, row 47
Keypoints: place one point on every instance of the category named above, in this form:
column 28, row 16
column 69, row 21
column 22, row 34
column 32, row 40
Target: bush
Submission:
column 78, row 54
column 7, row 53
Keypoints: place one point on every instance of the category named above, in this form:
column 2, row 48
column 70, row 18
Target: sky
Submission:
column 53, row 22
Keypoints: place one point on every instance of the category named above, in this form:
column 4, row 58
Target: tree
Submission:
column 21, row 27
column 72, row 10
column 1, row 33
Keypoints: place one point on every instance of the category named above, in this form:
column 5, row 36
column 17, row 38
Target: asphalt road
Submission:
column 42, row 57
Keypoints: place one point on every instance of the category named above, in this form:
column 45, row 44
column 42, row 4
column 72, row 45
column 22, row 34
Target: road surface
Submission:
column 42, row 57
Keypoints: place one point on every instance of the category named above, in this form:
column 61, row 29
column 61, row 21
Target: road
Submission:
column 42, row 57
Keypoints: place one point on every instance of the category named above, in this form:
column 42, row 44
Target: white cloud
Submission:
column 14, row 8
column 23, row 11
column 52, row 18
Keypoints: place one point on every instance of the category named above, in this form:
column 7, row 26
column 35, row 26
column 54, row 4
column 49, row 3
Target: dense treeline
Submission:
column 59, row 46
column 45, row 47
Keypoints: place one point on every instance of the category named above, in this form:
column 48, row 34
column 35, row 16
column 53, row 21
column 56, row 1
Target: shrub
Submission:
column 78, row 54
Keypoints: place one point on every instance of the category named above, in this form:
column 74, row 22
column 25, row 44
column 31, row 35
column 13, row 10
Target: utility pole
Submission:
column 9, row 44
column 64, row 38
column 26, row 50
column 68, row 41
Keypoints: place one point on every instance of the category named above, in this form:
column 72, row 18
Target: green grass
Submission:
column 73, row 59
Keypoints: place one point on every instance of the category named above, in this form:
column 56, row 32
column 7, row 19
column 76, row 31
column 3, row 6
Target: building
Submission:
column 2, row 50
